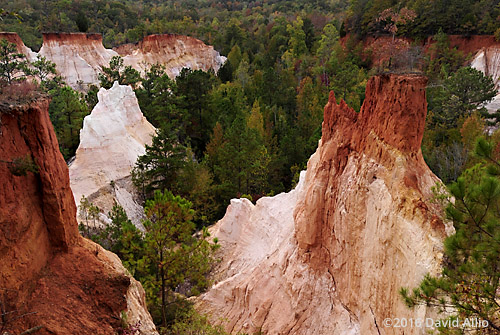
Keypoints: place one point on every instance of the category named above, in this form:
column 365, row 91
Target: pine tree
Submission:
column 469, row 284
column 67, row 110
column 12, row 63
column 158, row 99
column 173, row 256
column 462, row 93
column 117, row 72
column 163, row 161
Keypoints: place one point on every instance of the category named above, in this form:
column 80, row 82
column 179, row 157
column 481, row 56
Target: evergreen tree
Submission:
column 470, row 280
column 238, row 158
column 117, row 72
column 12, row 63
column 442, row 59
column 173, row 256
column 158, row 99
column 67, row 110
column 462, row 93
column 162, row 163
column 193, row 91
column 46, row 72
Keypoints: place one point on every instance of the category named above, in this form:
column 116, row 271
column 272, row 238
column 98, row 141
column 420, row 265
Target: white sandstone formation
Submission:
column 79, row 57
column 175, row 52
column 330, row 256
column 113, row 136
column 487, row 60
column 264, row 283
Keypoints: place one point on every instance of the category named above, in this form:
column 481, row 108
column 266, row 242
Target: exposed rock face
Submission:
column 487, row 60
column 79, row 57
column 49, row 275
column 471, row 44
column 113, row 136
column 21, row 48
column 330, row 256
column 175, row 52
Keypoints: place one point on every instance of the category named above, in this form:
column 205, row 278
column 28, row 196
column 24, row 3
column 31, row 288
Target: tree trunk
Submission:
column 163, row 298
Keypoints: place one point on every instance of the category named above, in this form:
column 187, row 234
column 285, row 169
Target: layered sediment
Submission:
column 113, row 136
column 330, row 256
column 80, row 57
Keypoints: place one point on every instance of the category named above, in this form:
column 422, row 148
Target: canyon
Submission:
column 52, row 280
column 79, row 57
column 330, row 256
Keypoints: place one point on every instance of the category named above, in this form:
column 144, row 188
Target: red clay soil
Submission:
column 469, row 45
column 395, row 108
column 46, row 268
column 72, row 38
column 155, row 44
column 13, row 38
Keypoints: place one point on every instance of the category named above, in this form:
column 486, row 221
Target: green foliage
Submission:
column 452, row 102
column 82, row 22
column 90, row 226
column 193, row 92
column 117, row 72
column 173, row 256
column 297, row 41
column 123, row 238
column 455, row 17
column 46, row 73
column 442, row 59
column 189, row 321
column 238, row 159
column 12, row 63
column 168, row 258
column 462, row 93
column 157, row 99
column 162, row 163
column 67, row 110
column 470, row 279
column 20, row 166
column 329, row 38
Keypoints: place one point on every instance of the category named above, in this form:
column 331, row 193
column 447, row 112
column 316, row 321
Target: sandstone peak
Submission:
column 394, row 110
column 113, row 136
column 330, row 256
column 49, row 275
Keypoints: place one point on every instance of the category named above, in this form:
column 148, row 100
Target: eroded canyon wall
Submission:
column 330, row 256
column 50, row 277
column 21, row 48
column 113, row 136
column 79, row 57
column 175, row 52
